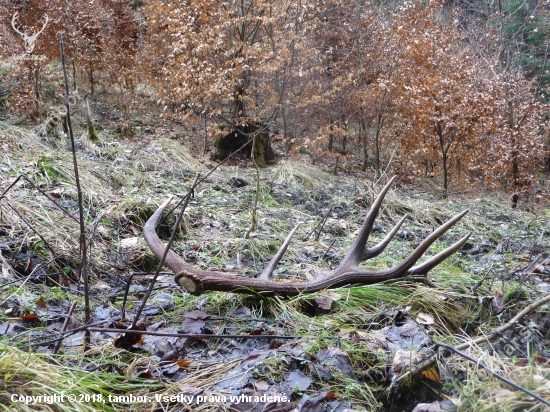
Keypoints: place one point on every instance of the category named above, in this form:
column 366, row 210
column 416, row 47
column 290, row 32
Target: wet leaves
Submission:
column 314, row 403
column 194, row 322
column 237, row 379
column 297, row 381
column 337, row 358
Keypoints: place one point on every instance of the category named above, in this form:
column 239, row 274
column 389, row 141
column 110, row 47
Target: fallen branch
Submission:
column 496, row 375
column 64, row 328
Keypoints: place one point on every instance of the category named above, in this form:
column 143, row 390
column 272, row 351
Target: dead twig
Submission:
column 82, row 235
column 320, row 225
column 428, row 363
column 64, row 328
column 66, row 334
column 127, row 288
column 496, row 375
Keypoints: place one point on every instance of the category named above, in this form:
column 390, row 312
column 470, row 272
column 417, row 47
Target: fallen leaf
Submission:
column 194, row 321
column 28, row 317
column 238, row 378
column 501, row 395
column 405, row 360
column 314, row 403
column 241, row 312
column 324, row 303
column 409, row 329
column 431, row 374
column 319, row 371
column 129, row 242
column 41, row 303
column 498, row 302
column 425, row 319
column 337, row 358
column 427, row 407
column 190, row 391
column 170, row 356
column 261, row 386
column 297, row 380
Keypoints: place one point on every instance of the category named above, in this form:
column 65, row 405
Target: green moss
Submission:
column 46, row 167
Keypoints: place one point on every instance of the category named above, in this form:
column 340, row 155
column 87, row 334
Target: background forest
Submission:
column 456, row 90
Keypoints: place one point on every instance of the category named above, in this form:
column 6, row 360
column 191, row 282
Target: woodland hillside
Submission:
column 402, row 146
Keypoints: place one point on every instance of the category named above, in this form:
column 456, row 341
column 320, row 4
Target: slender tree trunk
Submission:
column 74, row 74
column 444, row 153
column 92, row 82
column 515, row 164
column 205, row 136
column 285, row 131
column 364, row 142
column 379, row 124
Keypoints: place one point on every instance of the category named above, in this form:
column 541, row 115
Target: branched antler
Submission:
column 198, row 281
column 29, row 40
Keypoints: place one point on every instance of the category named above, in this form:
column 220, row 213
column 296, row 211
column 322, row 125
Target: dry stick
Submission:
column 428, row 363
column 64, row 328
column 166, row 250
column 478, row 284
column 127, row 288
column 3, row 195
column 31, row 227
column 254, row 213
column 322, row 222
column 189, row 335
column 66, row 334
column 496, row 375
column 328, row 250
column 82, row 238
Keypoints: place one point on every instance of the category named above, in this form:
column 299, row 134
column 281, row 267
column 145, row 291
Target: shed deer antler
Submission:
column 198, row 281
column 29, row 40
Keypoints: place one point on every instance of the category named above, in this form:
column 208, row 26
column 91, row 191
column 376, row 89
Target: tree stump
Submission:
column 238, row 136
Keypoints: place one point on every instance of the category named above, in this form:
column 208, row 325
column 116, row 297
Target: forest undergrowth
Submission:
column 338, row 350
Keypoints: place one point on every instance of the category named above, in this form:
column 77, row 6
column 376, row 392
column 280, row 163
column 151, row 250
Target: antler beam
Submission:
column 197, row 281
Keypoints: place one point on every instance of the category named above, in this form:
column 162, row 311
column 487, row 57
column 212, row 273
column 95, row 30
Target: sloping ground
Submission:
column 337, row 350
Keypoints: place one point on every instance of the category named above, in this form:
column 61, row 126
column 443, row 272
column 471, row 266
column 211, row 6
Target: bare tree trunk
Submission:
column 91, row 132
column 205, row 137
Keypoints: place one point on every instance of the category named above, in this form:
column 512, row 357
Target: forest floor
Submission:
column 339, row 350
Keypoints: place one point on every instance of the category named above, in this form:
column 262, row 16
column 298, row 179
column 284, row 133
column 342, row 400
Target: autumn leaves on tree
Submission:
column 436, row 89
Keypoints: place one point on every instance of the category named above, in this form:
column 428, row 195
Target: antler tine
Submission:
column 417, row 253
column 355, row 253
column 43, row 27
column 13, row 23
column 432, row 262
column 374, row 251
column 198, row 281
column 268, row 271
